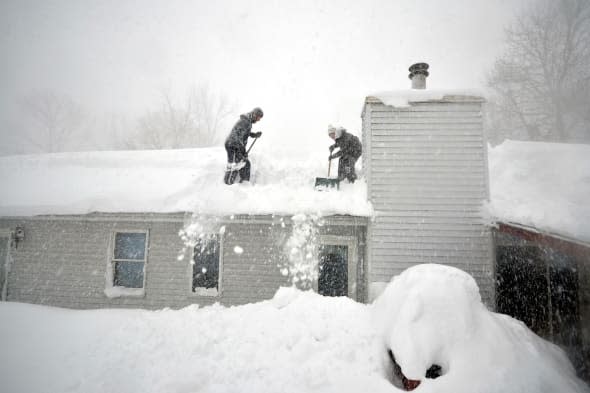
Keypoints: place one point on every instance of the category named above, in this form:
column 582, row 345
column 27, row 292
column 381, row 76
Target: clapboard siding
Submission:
column 62, row 261
column 427, row 178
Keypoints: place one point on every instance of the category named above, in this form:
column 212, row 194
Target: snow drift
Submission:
column 542, row 185
column 433, row 315
column 296, row 342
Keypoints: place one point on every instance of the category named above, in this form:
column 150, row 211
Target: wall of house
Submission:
column 62, row 260
column 426, row 169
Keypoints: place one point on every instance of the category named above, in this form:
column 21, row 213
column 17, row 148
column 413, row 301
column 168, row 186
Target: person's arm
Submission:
column 242, row 132
column 336, row 155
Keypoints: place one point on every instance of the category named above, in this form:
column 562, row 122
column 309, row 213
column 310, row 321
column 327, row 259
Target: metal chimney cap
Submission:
column 418, row 69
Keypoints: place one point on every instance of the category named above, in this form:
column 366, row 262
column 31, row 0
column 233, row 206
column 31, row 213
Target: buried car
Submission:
column 441, row 338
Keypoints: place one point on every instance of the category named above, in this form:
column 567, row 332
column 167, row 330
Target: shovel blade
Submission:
column 324, row 183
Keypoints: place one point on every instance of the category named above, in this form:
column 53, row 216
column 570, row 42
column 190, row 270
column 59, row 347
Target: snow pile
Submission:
column 433, row 315
column 403, row 98
column 295, row 342
column 171, row 181
column 543, row 185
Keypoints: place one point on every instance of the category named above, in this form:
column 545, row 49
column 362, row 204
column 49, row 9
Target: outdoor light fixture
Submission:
column 19, row 235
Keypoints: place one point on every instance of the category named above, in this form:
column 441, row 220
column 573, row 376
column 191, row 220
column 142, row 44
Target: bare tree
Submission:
column 542, row 81
column 55, row 119
column 196, row 122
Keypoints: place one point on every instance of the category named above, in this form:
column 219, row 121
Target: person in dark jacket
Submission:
column 235, row 146
column 350, row 151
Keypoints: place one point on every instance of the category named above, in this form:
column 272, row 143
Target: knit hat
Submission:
column 255, row 114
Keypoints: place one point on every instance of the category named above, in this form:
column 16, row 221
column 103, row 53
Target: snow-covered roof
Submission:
column 163, row 181
column 542, row 185
column 403, row 98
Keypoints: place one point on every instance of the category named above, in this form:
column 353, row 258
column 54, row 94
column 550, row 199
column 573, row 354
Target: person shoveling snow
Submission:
column 235, row 146
column 350, row 151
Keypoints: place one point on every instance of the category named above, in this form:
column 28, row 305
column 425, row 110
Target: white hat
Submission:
column 336, row 130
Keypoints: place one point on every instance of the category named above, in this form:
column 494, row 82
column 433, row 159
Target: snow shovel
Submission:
column 326, row 183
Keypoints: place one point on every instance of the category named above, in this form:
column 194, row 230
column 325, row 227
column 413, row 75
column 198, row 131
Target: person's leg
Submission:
column 233, row 157
column 351, row 174
column 341, row 169
column 245, row 172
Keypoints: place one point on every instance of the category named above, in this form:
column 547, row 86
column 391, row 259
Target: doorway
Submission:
column 333, row 270
column 337, row 266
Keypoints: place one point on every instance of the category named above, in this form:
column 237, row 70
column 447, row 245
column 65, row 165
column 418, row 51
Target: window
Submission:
column 129, row 258
column 205, row 266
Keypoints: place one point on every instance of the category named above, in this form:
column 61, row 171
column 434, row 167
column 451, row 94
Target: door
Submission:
column 337, row 266
column 333, row 270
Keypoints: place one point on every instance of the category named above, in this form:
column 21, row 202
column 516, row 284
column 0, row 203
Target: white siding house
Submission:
column 425, row 165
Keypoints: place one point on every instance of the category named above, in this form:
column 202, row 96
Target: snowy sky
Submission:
column 306, row 63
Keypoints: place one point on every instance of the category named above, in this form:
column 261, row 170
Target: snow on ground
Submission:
column 543, row 185
column 172, row 181
column 296, row 342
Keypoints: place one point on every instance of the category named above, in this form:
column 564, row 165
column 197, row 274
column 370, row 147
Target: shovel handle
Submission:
column 250, row 148
column 329, row 165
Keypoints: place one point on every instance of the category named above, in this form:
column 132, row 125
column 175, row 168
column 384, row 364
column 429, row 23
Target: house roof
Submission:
column 541, row 185
column 165, row 181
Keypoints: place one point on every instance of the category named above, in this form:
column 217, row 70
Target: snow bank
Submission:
column 171, row 181
column 296, row 342
column 543, row 185
column 433, row 314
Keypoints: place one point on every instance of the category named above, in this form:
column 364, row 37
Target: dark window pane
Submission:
column 130, row 246
column 521, row 290
column 129, row 274
column 206, row 266
column 333, row 275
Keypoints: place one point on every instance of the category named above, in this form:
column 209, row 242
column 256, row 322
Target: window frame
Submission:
column 113, row 290
column 7, row 234
column 201, row 291
column 352, row 260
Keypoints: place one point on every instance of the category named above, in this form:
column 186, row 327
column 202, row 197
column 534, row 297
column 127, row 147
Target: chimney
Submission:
column 418, row 74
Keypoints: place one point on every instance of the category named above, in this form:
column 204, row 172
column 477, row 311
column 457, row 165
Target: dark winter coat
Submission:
column 238, row 137
column 349, row 145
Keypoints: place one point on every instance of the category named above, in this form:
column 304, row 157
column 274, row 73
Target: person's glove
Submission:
column 258, row 134
column 332, row 148
column 330, row 157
